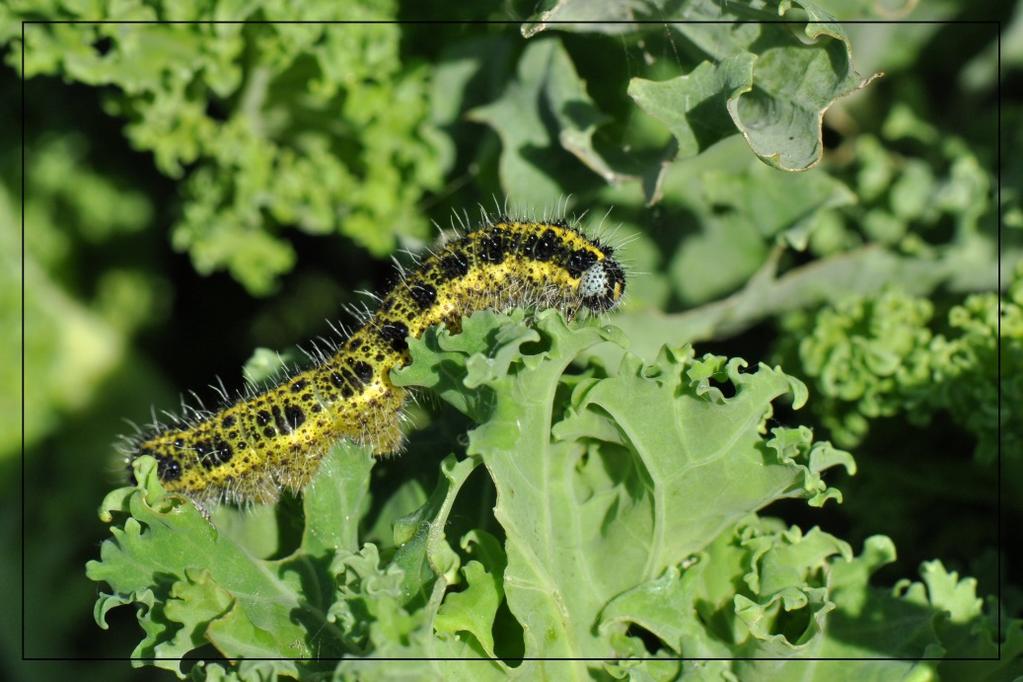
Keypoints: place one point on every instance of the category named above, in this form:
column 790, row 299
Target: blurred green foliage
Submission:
column 879, row 356
column 286, row 162
column 278, row 125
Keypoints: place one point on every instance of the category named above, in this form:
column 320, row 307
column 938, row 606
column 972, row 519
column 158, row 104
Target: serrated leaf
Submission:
column 646, row 495
column 544, row 108
column 336, row 500
column 473, row 609
column 423, row 551
column 693, row 106
column 165, row 537
column 775, row 79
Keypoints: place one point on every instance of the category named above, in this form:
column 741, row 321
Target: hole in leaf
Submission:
column 726, row 387
column 216, row 111
column 509, row 643
column 103, row 46
column 793, row 624
column 290, row 524
column 784, row 414
column 202, row 653
column 651, row 642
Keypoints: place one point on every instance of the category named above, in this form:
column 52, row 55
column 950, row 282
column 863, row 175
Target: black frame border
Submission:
column 997, row 24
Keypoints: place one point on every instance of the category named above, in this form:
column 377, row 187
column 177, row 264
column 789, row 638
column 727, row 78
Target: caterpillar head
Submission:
column 601, row 285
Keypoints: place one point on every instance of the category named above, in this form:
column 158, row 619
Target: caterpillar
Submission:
column 250, row 450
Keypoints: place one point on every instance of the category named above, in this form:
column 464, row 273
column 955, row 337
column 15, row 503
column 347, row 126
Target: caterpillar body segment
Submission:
column 249, row 451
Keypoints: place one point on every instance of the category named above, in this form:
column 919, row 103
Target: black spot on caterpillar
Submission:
column 252, row 449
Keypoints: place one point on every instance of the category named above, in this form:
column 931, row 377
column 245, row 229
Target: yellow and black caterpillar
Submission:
column 252, row 449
